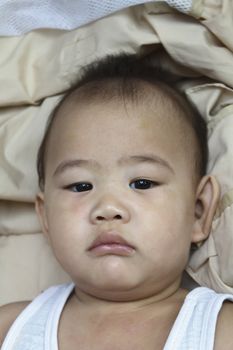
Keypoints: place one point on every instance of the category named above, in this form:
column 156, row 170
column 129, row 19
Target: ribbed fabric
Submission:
column 19, row 17
column 194, row 329
column 36, row 327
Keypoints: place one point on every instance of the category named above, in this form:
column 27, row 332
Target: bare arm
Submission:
column 8, row 314
column 224, row 330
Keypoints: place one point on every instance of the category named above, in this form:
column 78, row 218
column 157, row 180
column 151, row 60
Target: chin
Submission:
column 111, row 293
column 113, row 288
column 116, row 283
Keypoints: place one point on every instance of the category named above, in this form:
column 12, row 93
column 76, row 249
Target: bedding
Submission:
column 35, row 70
column 19, row 18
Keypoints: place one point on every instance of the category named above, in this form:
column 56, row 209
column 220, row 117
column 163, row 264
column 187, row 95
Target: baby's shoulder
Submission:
column 224, row 329
column 8, row 314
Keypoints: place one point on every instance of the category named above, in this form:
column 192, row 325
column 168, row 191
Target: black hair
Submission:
column 128, row 71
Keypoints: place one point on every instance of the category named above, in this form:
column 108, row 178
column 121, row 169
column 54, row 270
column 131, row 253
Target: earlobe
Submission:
column 40, row 210
column 207, row 199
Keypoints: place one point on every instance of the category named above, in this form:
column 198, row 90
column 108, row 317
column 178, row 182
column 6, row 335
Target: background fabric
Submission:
column 20, row 17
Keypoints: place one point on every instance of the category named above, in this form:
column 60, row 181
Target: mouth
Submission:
column 111, row 244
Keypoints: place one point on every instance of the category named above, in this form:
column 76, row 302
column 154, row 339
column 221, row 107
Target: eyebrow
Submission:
column 92, row 164
column 76, row 163
column 151, row 158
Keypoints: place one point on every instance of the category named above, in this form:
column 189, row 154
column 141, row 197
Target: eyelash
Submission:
column 83, row 187
column 86, row 186
column 145, row 183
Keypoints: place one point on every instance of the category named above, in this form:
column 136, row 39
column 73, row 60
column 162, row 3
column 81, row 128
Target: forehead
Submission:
column 107, row 130
column 133, row 98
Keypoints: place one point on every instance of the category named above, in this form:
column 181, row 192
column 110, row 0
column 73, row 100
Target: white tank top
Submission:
column 36, row 328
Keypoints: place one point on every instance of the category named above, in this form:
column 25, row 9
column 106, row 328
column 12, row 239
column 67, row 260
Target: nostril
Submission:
column 100, row 218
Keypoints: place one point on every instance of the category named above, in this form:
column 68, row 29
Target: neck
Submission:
column 131, row 301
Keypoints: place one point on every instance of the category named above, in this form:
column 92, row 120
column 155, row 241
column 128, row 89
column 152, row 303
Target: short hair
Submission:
column 126, row 73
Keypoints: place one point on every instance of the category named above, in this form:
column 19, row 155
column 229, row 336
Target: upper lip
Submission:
column 109, row 238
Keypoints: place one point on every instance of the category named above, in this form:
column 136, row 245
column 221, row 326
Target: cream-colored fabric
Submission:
column 37, row 68
column 212, row 263
column 27, row 267
column 46, row 62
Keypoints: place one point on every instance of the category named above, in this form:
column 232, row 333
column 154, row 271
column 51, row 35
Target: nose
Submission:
column 109, row 209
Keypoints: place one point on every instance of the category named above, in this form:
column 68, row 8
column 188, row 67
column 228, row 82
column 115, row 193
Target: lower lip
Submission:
column 112, row 249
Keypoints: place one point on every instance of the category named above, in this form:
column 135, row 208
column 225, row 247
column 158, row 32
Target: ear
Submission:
column 207, row 199
column 41, row 213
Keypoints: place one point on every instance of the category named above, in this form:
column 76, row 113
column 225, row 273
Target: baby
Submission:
column 124, row 196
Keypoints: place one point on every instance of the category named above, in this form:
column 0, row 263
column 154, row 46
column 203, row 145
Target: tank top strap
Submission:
column 36, row 327
column 195, row 324
column 210, row 316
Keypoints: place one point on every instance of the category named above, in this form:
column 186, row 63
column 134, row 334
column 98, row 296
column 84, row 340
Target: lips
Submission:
column 111, row 243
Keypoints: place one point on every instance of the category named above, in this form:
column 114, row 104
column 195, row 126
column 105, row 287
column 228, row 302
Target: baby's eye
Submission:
column 143, row 184
column 80, row 187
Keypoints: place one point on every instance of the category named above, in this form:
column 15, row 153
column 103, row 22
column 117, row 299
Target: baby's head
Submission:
column 122, row 177
column 126, row 80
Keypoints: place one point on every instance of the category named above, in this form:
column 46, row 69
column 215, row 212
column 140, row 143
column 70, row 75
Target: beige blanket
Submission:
column 36, row 68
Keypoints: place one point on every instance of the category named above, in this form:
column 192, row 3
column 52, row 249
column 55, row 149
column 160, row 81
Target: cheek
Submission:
column 67, row 216
column 168, row 217
column 167, row 237
column 66, row 204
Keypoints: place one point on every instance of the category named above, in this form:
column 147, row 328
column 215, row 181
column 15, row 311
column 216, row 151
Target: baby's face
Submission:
column 116, row 175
